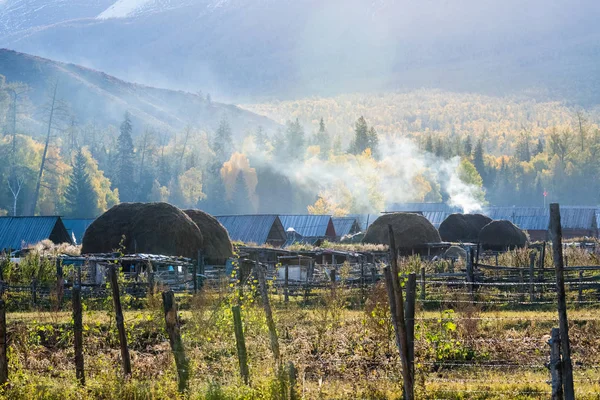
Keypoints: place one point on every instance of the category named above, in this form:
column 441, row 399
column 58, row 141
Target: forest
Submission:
column 353, row 154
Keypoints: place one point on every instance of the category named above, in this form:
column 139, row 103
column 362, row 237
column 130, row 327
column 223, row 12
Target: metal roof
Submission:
column 309, row 226
column 258, row 229
column 538, row 218
column 17, row 232
column 345, row 225
column 77, row 227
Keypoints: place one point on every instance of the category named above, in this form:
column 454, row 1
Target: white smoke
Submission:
column 403, row 173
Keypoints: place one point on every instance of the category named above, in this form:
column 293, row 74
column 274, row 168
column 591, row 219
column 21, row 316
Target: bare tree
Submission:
column 57, row 111
column 15, row 184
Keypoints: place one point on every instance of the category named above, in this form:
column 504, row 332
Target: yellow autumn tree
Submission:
column 239, row 163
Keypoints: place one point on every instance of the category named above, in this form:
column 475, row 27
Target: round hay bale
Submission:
column 501, row 235
column 411, row 231
column 456, row 252
column 463, row 227
column 154, row 228
column 217, row 246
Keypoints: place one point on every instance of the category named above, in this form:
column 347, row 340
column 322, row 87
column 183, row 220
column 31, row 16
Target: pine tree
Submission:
column 429, row 144
column 323, row 140
column 80, row 197
column 539, row 147
column 361, row 137
column 240, row 200
column 478, row 160
column 125, row 162
column 522, row 151
column 373, row 142
column 295, row 140
column 223, row 143
column 261, row 139
column 468, row 146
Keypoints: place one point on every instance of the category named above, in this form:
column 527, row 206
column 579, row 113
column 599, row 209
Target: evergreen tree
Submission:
column 80, row 197
column 468, row 149
column 261, row 139
column 361, row 137
column 323, row 140
column 522, row 152
column 429, row 144
column 125, row 162
column 373, row 142
column 223, row 143
column 539, row 148
column 295, row 140
column 478, row 160
column 240, row 199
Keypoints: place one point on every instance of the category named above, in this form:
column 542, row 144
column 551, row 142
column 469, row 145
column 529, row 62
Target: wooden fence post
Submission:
column 3, row 344
column 286, row 282
column 373, row 275
column 293, row 381
column 557, row 253
column 531, row 276
column 78, row 334
column 333, row 278
column 60, row 284
column 422, row 283
column 521, row 286
column 555, row 365
column 409, row 314
column 240, row 344
column 396, row 299
column 580, row 288
column 34, row 291
column 126, row 360
column 470, row 272
column 173, row 330
column 264, row 293
column 195, row 269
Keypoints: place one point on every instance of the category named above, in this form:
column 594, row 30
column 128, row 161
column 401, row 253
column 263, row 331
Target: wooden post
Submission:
column 362, row 281
column 34, row 291
column 541, row 289
column 264, row 293
column 555, row 365
column 240, row 344
column 470, row 273
column 60, row 284
column 78, row 334
column 531, row 276
column 557, row 254
column 409, row 314
column 422, row 283
column 580, row 288
column 293, row 381
column 333, row 278
column 286, row 282
column 393, row 283
column 195, row 269
column 112, row 271
column 521, row 287
column 173, row 330
column 3, row 344
column 373, row 275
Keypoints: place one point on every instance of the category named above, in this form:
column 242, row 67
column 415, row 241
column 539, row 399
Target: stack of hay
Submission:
column 411, row 231
column 217, row 244
column 463, row 228
column 502, row 235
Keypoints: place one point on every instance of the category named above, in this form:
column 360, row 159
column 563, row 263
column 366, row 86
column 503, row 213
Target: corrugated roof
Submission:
column 538, row 218
column 253, row 228
column 345, row 225
column 15, row 232
column 77, row 227
column 309, row 226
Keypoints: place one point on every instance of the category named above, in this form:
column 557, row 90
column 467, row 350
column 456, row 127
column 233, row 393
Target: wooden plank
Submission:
column 264, row 293
column 78, row 334
column 125, row 358
column 240, row 344
column 174, row 333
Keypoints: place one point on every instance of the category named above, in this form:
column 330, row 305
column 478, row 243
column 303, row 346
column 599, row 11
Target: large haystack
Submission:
column 217, row 244
column 463, row 228
column 155, row 228
column 501, row 235
column 411, row 231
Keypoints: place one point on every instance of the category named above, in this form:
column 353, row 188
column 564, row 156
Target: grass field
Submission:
column 342, row 349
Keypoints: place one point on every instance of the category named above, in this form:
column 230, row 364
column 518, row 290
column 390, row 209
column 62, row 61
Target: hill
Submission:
column 95, row 97
column 290, row 49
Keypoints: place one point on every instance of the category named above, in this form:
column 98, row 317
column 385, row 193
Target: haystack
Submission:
column 217, row 246
column 411, row 231
column 455, row 252
column 155, row 228
column 463, row 227
column 501, row 235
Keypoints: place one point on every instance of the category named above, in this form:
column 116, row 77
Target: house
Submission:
column 345, row 226
column 17, row 233
column 76, row 227
column 257, row 229
column 310, row 228
column 576, row 221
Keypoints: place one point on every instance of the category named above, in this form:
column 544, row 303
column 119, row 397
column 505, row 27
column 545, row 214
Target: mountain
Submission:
column 95, row 97
column 289, row 48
